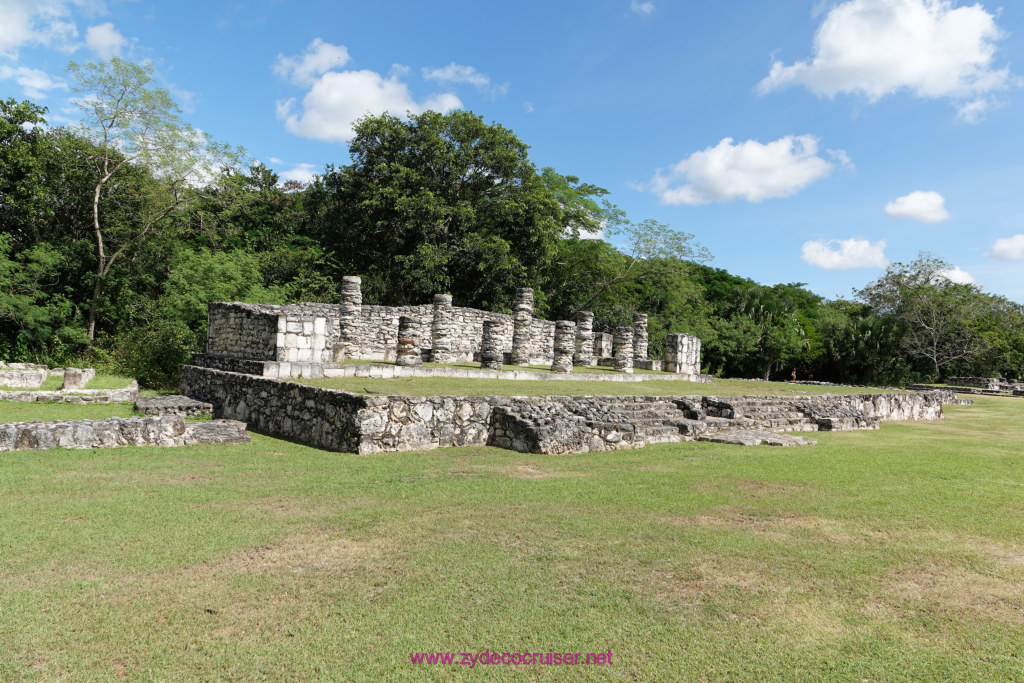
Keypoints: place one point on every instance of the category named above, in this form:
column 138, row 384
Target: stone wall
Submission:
column 126, row 395
column 22, row 375
column 987, row 383
column 167, row 430
column 236, row 330
column 340, row 421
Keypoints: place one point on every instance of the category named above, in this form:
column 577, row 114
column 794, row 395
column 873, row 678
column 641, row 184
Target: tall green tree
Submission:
column 132, row 123
column 437, row 203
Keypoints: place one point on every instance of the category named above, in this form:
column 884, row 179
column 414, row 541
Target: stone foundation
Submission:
column 167, row 430
column 341, row 421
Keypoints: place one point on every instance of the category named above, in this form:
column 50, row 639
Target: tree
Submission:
column 436, row 203
column 132, row 123
column 938, row 316
column 24, row 195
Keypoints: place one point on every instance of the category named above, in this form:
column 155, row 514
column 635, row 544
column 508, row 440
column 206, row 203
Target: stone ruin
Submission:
column 32, row 376
column 343, row 421
column 988, row 385
column 307, row 339
column 253, row 349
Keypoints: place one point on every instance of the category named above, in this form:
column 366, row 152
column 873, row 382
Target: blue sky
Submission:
column 799, row 140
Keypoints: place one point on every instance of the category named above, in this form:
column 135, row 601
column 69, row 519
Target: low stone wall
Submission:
column 987, row 383
column 168, row 430
column 341, row 421
column 126, row 395
column 22, row 375
column 172, row 405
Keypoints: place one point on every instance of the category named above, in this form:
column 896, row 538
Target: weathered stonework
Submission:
column 682, row 354
column 622, row 349
column 583, row 355
column 340, row 421
column 74, row 378
column 603, row 345
column 441, row 330
column 565, row 345
column 640, row 338
column 350, row 318
column 408, row 353
column 167, row 430
column 491, row 351
column 22, row 375
column 522, row 320
column 996, row 384
column 172, row 405
column 126, row 395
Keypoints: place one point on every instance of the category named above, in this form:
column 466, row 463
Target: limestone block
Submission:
column 622, row 349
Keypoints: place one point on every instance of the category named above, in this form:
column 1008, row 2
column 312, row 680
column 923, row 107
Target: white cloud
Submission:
column 528, row 107
column 338, row 99
column 852, row 253
column 958, row 275
column 319, row 58
column 749, row 170
column 34, row 83
column 105, row 40
column 878, row 47
column 462, row 73
column 926, row 207
column 301, row 172
column 1008, row 248
column 642, row 8
column 42, row 22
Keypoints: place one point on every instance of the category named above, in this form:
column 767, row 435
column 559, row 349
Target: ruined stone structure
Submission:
column 622, row 349
column 565, row 346
column 583, row 356
column 408, row 353
column 640, row 336
column 305, row 339
column 491, row 352
column 167, row 430
column 522, row 326
column 33, row 375
column 994, row 384
column 341, row 421
column 441, row 330
column 682, row 354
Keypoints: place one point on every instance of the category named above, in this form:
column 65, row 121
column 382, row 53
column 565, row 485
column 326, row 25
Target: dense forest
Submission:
column 115, row 234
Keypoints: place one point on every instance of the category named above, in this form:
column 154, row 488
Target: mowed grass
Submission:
column 432, row 386
column 887, row 555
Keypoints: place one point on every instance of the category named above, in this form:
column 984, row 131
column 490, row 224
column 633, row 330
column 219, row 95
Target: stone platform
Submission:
column 343, row 421
column 167, row 430
column 126, row 395
column 172, row 405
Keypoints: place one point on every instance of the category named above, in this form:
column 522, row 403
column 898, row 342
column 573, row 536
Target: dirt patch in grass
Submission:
column 295, row 554
column 529, row 470
column 959, row 590
column 788, row 526
column 764, row 489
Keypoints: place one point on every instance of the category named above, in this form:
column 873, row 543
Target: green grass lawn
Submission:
column 430, row 386
column 884, row 555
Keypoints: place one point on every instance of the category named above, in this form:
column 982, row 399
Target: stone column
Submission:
column 682, row 354
column 565, row 344
column 441, row 329
column 74, row 378
column 602, row 345
column 640, row 337
column 584, row 355
column 491, row 351
column 522, row 320
column 350, row 318
column 622, row 349
column 408, row 353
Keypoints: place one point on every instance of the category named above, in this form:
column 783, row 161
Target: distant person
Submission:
column 793, row 378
